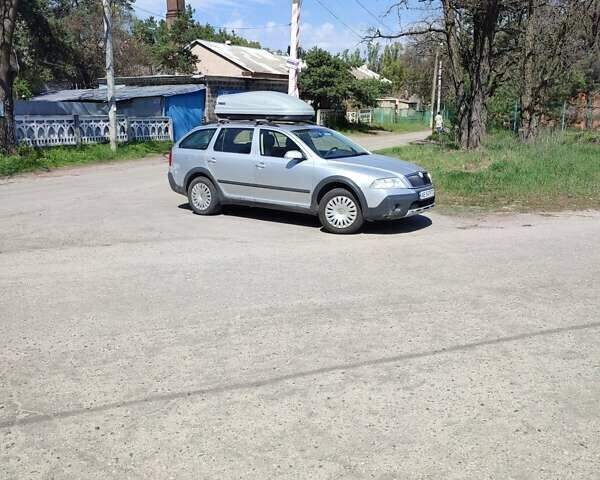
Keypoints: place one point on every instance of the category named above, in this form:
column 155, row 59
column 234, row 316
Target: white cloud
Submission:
column 327, row 36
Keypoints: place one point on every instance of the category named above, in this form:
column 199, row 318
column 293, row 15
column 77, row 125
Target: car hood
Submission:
column 387, row 165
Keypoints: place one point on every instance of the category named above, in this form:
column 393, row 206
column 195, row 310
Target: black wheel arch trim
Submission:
column 353, row 187
column 199, row 171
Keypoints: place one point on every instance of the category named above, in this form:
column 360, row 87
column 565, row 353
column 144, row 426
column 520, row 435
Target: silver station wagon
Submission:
column 295, row 166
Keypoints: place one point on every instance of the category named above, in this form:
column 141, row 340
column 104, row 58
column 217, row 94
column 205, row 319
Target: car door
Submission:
column 231, row 162
column 191, row 152
column 280, row 180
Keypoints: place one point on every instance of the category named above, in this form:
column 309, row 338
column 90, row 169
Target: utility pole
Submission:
column 433, row 82
column 293, row 61
column 110, row 75
column 439, row 88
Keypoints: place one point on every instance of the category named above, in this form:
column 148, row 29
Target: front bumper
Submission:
column 400, row 206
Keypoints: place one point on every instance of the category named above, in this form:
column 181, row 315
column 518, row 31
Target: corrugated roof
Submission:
column 365, row 73
column 122, row 92
column 255, row 60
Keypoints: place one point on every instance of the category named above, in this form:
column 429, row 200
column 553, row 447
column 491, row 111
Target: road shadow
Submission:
column 393, row 227
column 389, row 227
column 399, row 358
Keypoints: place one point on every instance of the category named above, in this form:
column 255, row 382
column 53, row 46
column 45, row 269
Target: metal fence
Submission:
column 389, row 116
column 43, row 131
column 559, row 116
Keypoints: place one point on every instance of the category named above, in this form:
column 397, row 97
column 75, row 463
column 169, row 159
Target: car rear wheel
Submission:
column 339, row 212
column 203, row 197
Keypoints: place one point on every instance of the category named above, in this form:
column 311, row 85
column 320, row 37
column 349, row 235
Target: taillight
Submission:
column 170, row 157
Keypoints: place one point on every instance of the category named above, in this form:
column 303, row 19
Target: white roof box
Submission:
column 263, row 105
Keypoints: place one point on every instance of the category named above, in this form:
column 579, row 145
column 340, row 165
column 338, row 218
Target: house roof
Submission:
column 365, row 73
column 413, row 99
column 255, row 60
column 122, row 92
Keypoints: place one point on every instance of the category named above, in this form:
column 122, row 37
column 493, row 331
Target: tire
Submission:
column 339, row 212
column 203, row 197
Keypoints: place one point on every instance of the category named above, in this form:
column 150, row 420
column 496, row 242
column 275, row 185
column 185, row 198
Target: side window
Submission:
column 234, row 140
column 276, row 144
column 199, row 139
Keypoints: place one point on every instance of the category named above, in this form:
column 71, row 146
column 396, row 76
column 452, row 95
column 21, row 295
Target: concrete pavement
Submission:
column 138, row 340
column 388, row 139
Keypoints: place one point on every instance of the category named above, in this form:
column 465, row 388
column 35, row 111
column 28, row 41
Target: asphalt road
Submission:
column 139, row 341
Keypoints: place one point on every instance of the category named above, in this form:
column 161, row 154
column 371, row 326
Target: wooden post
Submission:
column 110, row 76
column 433, row 83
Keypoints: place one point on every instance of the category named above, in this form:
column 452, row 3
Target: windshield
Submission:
column 329, row 144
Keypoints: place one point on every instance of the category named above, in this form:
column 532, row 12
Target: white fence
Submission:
column 364, row 115
column 44, row 131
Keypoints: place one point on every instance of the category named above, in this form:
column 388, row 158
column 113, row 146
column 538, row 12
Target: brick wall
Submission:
column 216, row 86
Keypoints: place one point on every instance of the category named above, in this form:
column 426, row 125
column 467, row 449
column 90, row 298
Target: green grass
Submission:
column 557, row 172
column 31, row 159
column 373, row 129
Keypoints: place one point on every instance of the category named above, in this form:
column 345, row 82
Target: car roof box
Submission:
column 263, row 106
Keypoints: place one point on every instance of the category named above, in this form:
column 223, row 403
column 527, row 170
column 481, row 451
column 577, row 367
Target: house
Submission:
column 397, row 103
column 230, row 68
column 188, row 99
column 184, row 103
column 365, row 73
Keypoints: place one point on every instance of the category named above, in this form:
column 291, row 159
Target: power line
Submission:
column 223, row 27
column 258, row 27
column 160, row 15
column 332, row 13
column 373, row 15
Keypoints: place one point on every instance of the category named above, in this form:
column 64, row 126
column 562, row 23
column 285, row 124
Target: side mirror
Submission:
column 293, row 155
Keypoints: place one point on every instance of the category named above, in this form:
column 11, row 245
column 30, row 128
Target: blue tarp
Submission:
column 186, row 111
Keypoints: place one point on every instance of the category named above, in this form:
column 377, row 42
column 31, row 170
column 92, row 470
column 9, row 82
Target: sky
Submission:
column 335, row 30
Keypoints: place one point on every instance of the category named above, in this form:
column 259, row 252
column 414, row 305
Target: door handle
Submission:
column 260, row 165
column 212, row 160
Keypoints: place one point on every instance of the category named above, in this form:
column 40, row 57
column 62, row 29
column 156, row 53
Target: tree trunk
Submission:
column 471, row 70
column 528, row 120
column 472, row 120
column 8, row 73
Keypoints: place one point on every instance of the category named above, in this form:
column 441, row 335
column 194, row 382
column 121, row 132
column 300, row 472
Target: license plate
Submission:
column 427, row 194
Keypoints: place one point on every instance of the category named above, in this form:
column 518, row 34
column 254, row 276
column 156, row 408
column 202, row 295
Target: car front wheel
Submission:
column 203, row 196
column 339, row 212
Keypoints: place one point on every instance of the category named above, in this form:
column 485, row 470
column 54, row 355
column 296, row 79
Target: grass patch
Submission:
column 557, row 172
column 373, row 129
column 30, row 159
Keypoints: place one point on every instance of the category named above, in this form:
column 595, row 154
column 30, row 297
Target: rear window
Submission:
column 234, row 140
column 198, row 140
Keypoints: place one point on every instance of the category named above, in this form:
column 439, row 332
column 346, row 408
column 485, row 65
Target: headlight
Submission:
column 392, row 182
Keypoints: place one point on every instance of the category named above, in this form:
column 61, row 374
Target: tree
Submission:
column 8, row 73
column 392, row 66
column 364, row 93
column 354, row 59
column 167, row 47
column 556, row 36
column 476, row 35
column 326, row 80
